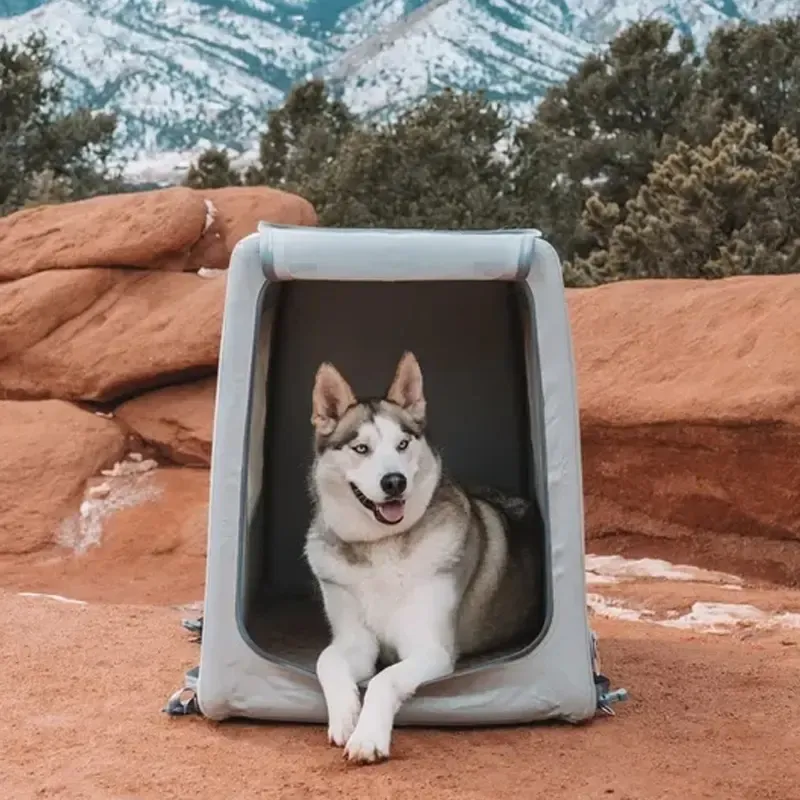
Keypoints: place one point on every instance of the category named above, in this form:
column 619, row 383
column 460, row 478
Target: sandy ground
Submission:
column 710, row 716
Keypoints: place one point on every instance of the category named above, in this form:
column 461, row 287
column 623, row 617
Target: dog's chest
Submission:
column 387, row 575
column 387, row 580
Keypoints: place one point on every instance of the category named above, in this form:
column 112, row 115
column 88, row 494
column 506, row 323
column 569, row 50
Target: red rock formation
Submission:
column 176, row 420
column 139, row 330
column 98, row 305
column 688, row 389
column 689, row 397
column 162, row 229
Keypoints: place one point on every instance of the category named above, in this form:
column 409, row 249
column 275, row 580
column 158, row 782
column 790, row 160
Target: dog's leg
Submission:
column 349, row 659
column 424, row 637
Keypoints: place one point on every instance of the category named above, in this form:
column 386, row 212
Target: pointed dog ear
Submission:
column 406, row 388
column 332, row 396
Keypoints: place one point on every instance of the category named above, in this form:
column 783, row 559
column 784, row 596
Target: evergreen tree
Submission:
column 750, row 71
column 542, row 194
column 728, row 208
column 212, row 171
column 46, row 155
column 439, row 165
column 302, row 138
column 604, row 128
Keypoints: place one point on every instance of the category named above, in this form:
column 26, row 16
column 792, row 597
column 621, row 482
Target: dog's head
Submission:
column 374, row 472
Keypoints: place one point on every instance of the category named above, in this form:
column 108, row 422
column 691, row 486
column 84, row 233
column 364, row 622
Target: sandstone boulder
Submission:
column 177, row 420
column 128, row 331
column 49, row 450
column 33, row 308
column 166, row 229
column 680, row 350
column 689, row 397
column 142, row 229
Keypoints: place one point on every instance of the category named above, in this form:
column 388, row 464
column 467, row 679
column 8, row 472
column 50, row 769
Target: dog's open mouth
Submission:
column 389, row 513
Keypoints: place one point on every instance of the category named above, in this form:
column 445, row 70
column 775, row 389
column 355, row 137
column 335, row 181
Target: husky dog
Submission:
column 413, row 570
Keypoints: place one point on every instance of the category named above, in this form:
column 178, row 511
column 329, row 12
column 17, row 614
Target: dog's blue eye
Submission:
column 403, row 445
column 361, row 449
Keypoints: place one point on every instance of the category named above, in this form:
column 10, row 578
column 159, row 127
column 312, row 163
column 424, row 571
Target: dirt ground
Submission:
column 709, row 716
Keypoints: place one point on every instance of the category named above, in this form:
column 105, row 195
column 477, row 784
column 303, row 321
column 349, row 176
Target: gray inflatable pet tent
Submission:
column 485, row 314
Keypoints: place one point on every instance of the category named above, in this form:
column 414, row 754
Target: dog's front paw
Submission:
column 369, row 744
column 342, row 721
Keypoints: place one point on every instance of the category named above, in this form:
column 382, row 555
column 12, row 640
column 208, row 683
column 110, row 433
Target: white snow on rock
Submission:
column 706, row 617
column 723, row 617
column 610, row 569
column 128, row 483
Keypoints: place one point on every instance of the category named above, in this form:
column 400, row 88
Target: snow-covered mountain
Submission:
column 182, row 74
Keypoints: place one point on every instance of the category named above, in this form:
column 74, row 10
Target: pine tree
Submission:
column 302, row 138
column 604, row 128
column 439, row 165
column 47, row 155
column 212, row 171
column 728, row 208
column 752, row 71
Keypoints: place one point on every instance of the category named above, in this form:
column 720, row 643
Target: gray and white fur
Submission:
column 414, row 570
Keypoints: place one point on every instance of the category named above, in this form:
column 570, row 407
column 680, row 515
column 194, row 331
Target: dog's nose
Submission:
column 393, row 483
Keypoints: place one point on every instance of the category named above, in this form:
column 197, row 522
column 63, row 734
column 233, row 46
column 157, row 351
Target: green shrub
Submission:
column 729, row 208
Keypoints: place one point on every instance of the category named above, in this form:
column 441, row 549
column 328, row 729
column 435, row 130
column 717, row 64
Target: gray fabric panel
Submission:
column 342, row 254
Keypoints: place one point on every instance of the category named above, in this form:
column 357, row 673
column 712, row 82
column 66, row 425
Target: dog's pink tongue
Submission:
column 393, row 510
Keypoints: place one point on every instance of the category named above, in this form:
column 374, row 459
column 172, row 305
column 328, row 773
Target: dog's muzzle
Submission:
column 388, row 513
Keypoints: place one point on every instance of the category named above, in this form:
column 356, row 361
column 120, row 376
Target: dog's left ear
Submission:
column 406, row 388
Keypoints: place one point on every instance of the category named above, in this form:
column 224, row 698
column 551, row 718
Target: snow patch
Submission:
column 130, row 484
column 57, row 597
column 618, row 567
column 722, row 617
column 717, row 617
column 592, row 579
column 788, row 619
column 613, row 609
column 211, row 214
column 707, row 617
column 100, row 491
column 704, row 617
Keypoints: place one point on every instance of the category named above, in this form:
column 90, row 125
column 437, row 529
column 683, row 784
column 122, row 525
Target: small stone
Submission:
column 208, row 272
column 135, row 456
column 101, row 490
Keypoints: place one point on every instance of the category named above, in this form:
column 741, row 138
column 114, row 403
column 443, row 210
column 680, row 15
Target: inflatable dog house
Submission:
column 485, row 314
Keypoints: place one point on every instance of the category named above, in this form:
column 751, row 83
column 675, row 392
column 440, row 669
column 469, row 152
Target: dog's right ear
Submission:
column 332, row 396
